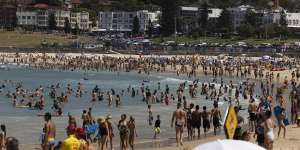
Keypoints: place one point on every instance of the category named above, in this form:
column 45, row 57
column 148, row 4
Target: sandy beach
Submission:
column 289, row 143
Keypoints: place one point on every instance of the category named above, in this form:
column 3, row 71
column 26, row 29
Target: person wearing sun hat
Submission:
column 102, row 133
column 110, row 130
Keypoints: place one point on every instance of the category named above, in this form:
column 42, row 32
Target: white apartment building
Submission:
column 60, row 16
column 26, row 18
column 190, row 17
column 293, row 20
column 264, row 16
column 37, row 18
column 214, row 13
column 154, row 16
column 81, row 18
column 238, row 14
column 194, row 12
column 40, row 18
column 268, row 17
column 123, row 21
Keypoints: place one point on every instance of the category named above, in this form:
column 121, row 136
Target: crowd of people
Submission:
column 266, row 100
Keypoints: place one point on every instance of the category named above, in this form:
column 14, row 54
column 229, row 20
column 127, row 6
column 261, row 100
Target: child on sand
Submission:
column 157, row 127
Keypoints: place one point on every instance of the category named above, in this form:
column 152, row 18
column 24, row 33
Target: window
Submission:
column 115, row 15
column 28, row 17
column 23, row 17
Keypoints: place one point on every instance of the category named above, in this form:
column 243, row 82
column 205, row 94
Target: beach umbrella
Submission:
column 229, row 145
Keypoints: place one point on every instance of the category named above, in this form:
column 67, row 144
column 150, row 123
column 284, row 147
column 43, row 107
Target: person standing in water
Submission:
column 268, row 129
column 196, row 121
column 118, row 100
column 189, row 121
column 132, row 132
column 2, row 136
column 216, row 117
column 157, row 127
column 252, row 110
column 50, row 133
column 103, row 132
column 150, row 115
column 179, row 116
column 123, row 129
column 110, row 131
column 205, row 119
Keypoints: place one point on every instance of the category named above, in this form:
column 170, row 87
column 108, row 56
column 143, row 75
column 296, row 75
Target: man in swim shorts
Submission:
column 50, row 133
column 196, row 121
column 180, row 122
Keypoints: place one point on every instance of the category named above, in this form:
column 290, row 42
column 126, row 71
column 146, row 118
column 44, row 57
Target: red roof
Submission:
column 76, row 2
column 41, row 6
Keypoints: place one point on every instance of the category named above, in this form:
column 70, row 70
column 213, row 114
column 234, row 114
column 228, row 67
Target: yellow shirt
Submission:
column 71, row 143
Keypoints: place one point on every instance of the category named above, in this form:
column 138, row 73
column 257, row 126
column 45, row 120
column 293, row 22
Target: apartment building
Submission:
column 190, row 17
column 82, row 20
column 122, row 21
column 27, row 18
column 293, row 20
column 60, row 16
column 40, row 18
column 238, row 15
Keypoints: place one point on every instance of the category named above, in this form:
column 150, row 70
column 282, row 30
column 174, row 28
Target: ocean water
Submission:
column 26, row 126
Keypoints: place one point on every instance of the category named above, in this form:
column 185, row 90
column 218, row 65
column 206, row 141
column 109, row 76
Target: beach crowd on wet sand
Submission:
column 268, row 107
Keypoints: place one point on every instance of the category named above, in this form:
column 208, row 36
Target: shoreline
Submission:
column 168, row 70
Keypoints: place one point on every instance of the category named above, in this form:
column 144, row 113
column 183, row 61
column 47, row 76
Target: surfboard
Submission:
column 21, row 106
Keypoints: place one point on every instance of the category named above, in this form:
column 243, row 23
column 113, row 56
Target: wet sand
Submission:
column 168, row 144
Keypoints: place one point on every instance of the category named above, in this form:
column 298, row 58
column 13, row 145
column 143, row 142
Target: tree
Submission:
column 150, row 29
column 224, row 23
column 251, row 18
column 204, row 17
column 282, row 29
column 14, row 22
column 169, row 12
column 245, row 30
column 52, row 22
column 136, row 26
column 282, row 20
column 94, row 23
column 67, row 26
column 76, row 29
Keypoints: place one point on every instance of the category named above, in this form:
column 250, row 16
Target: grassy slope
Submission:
column 31, row 40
